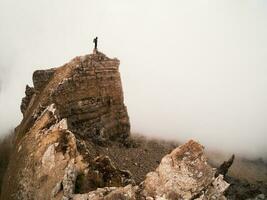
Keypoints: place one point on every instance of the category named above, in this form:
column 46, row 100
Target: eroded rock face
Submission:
column 87, row 92
column 38, row 161
column 91, row 98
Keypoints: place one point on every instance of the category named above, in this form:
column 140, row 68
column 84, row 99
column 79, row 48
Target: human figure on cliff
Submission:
column 95, row 41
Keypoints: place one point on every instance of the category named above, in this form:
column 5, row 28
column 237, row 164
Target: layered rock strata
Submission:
column 87, row 92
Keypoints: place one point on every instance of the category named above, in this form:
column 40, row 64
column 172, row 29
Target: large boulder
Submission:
column 184, row 174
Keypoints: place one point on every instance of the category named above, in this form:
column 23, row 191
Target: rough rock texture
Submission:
column 41, row 78
column 184, row 174
column 73, row 144
column 39, row 159
column 87, row 91
column 83, row 98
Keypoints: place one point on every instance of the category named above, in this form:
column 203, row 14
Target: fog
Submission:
column 190, row 69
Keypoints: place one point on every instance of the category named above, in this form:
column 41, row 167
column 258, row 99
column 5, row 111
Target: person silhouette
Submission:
column 95, row 41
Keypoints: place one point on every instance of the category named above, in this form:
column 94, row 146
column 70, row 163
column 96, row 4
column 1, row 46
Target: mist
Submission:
column 190, row 69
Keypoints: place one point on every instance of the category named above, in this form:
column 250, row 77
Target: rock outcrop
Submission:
column 74, row 120
column 87, row 92
column 184, row 174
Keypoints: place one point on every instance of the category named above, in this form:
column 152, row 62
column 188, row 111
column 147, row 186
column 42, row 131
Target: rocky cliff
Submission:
column 87, row 92
column 74, row 143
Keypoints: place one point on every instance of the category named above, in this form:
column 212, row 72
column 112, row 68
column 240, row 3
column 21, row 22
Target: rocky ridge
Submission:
column 87, row 92
column 74, row 137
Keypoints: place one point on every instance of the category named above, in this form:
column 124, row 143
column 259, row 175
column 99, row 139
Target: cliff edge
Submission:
column 87, row 92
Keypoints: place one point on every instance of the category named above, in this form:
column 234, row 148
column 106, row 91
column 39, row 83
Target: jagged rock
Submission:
column 38, row 161
column 224, row 167
column 182, row 174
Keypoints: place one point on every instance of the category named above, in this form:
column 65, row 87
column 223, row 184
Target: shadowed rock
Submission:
column 224, row 167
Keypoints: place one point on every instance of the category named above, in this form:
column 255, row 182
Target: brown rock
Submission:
column 69, row 112
column 182, row 174
column 83, row 98
column 87, row 91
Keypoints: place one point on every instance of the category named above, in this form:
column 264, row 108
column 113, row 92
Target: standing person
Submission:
column 95, row 41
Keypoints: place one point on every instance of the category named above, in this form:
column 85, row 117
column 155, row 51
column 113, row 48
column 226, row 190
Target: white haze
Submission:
column 190, row 69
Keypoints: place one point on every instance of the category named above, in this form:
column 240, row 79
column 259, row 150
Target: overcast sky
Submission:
column 190, row 69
